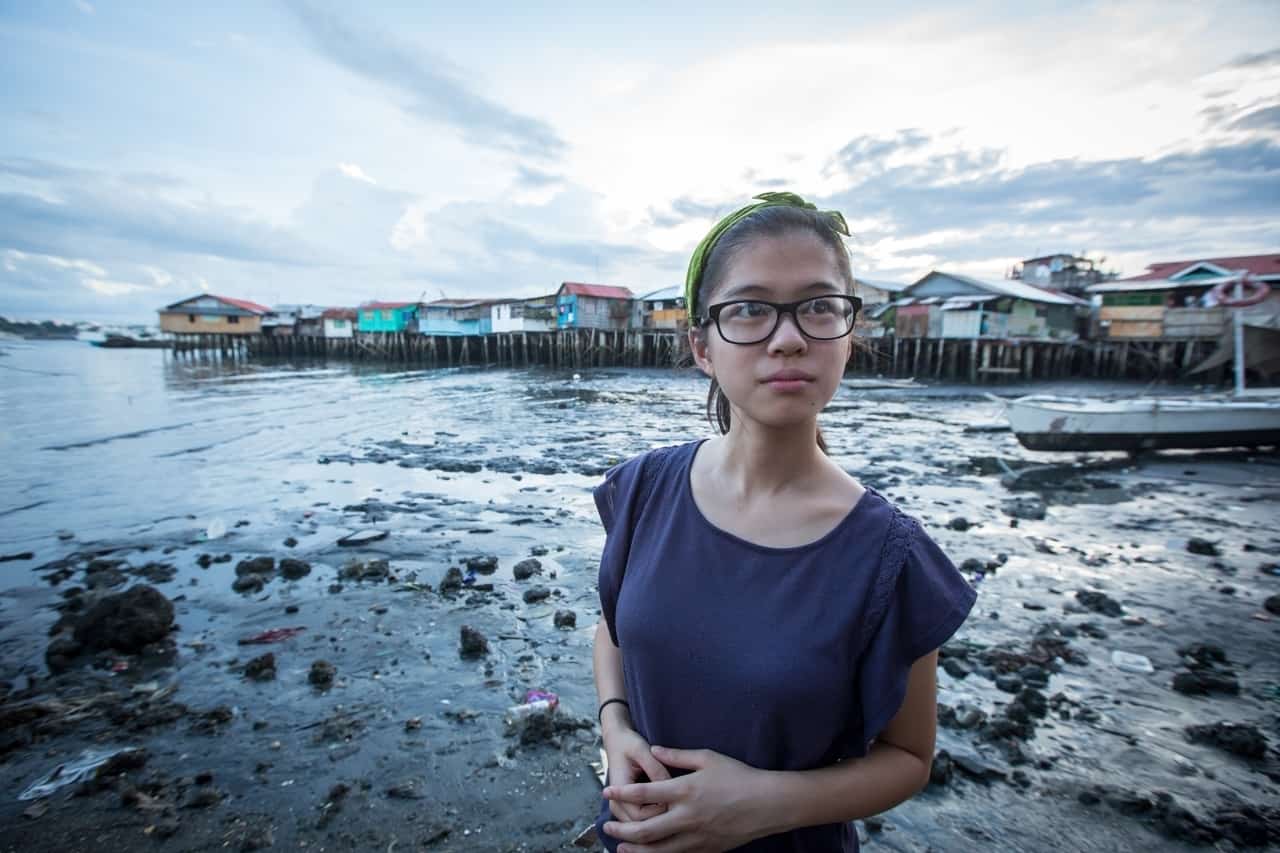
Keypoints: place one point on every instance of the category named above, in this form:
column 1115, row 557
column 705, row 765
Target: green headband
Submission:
column 698, row 263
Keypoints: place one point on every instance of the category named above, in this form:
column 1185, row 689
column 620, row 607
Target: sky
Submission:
column 298, row 151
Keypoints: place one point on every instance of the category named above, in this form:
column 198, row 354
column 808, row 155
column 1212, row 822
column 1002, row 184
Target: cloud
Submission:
column 351, row 170
column 61, row 209
column 434, row 89
column 1256, row 60
column 1267, row 118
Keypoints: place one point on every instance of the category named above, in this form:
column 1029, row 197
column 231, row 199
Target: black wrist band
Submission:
column 607, row 703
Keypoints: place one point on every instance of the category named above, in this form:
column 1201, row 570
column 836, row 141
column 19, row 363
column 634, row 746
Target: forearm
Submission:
column 853, row 789
column 607, row 664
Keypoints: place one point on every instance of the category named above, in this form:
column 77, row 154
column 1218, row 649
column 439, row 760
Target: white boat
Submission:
column 1245, row 418
column 1046, row 422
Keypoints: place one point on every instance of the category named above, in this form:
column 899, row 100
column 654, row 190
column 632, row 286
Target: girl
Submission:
column 767, row 653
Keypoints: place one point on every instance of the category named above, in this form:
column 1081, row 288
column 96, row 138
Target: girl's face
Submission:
column 787, row 378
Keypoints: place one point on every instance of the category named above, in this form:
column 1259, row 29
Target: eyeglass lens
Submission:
column 820, row 317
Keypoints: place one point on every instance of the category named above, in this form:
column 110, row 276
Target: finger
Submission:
column 643, row 793
column 652, row 767
column 649, row 810
column 688, row 759
column 649, row 831
column 626, row 811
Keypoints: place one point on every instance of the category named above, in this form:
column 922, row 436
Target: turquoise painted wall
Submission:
column 386, row 319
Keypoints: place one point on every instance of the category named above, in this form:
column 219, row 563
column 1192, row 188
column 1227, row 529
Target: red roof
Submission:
column 373, row 306
column 1255, row 264
column 602, row 291
column 244, row 303
column 339, row 314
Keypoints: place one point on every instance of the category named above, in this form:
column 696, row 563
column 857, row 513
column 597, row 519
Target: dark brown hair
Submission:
column 774, row 221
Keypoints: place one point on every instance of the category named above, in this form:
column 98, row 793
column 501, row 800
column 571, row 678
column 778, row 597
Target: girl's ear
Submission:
column 701, row 352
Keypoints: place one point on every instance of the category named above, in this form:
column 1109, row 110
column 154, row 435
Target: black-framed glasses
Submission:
column 751, row 321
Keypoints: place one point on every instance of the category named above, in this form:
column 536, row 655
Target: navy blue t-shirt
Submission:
column 783, row 658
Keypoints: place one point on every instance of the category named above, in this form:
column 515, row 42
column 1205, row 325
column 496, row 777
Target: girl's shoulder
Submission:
column 630, row 482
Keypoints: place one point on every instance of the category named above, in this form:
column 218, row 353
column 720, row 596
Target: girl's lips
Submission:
column 788, row 384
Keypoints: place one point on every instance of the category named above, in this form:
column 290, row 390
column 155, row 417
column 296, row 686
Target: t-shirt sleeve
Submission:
column 927, row 602
column 615, row 501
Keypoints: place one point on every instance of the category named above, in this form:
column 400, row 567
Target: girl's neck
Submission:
column 754, row 459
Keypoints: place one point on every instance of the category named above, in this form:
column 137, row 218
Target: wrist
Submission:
column 615, row 718
column 766, row 813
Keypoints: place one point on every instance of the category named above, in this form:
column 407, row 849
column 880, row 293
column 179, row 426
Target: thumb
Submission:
column 689, row 759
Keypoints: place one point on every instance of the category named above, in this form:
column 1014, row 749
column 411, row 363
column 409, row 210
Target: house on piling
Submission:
column 453, row 317
column 877, row 315
column 338, row 322
column 950, row 305
column 1064, row 272
column 1171, row 300
column 524, row 315
column 592, row 306
column 208, row 314
column 281, row 321
column 386, row 316
column 660, row 309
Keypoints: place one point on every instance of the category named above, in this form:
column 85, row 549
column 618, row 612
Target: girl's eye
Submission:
column 748, row 310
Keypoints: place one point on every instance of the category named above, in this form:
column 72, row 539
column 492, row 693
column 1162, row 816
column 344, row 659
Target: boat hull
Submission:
column 1047, row 423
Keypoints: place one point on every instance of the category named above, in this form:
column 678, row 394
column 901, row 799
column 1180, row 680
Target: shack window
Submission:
column 339, row 324
column 233, row 319
column 191, row 318
column 386, row 315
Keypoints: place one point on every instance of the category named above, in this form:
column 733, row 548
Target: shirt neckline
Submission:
column 687, row 486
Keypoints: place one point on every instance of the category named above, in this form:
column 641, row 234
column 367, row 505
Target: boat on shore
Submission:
column 1243, row 418
column 1047, row 422
column 116, row 340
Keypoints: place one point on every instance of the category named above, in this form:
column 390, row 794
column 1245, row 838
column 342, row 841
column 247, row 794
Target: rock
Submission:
column 1272, row 604
column 1008, row 683
column 374, row 570
column 60, row 654
column 247, row 584
column 566, row 619
column 452, row 582
column 1197, row 682
column 256, row 566
column 157, row 572
column 526, row 569
column 322, row 674
column 538, row 551
column 261, row 668
column 977, row 766
column 956, row 668
column 1099, row 602
column 363, row 537
column 104, row 578
column 293, row 569
column 536, row 594
column 1203, row 655
column 204, row 561
column 473, row 643
column 290, row 542
column 486, row 565
column 1236, row 738
column 126, row 621
column 1203, row 547
column 959, row 523
column 1029, row 507
column 940, row 771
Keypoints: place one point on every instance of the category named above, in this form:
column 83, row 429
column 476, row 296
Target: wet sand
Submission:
column 1046, row 743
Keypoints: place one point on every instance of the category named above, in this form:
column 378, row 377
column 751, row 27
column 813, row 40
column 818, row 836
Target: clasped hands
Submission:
column 716, row 807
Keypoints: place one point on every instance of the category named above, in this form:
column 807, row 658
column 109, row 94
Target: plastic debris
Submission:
column 274, row 635
column 1128, row 662
column 542, row 695
column 363, row 537
column 216, row 529
column 519, row 713
column 71, row 772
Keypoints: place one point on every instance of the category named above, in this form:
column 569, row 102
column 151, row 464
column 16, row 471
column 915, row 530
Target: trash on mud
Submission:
column 273, row 635
column 216, row 529
column 71, row 772
column 1129, row 662
column 363, row 537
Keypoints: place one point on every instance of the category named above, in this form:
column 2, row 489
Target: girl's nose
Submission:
column 787, row 337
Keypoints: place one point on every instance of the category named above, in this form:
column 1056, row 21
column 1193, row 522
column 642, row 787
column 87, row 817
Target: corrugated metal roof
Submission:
column 374, row 306
column 339, row 313
column 1128, row 285
column 243, row 303
column 601, row 291
column 675, row 291
column 882, row 284
column 1256, row 264
column 1009, row 287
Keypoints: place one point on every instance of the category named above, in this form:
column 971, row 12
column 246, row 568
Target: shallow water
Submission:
column 141, row 452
